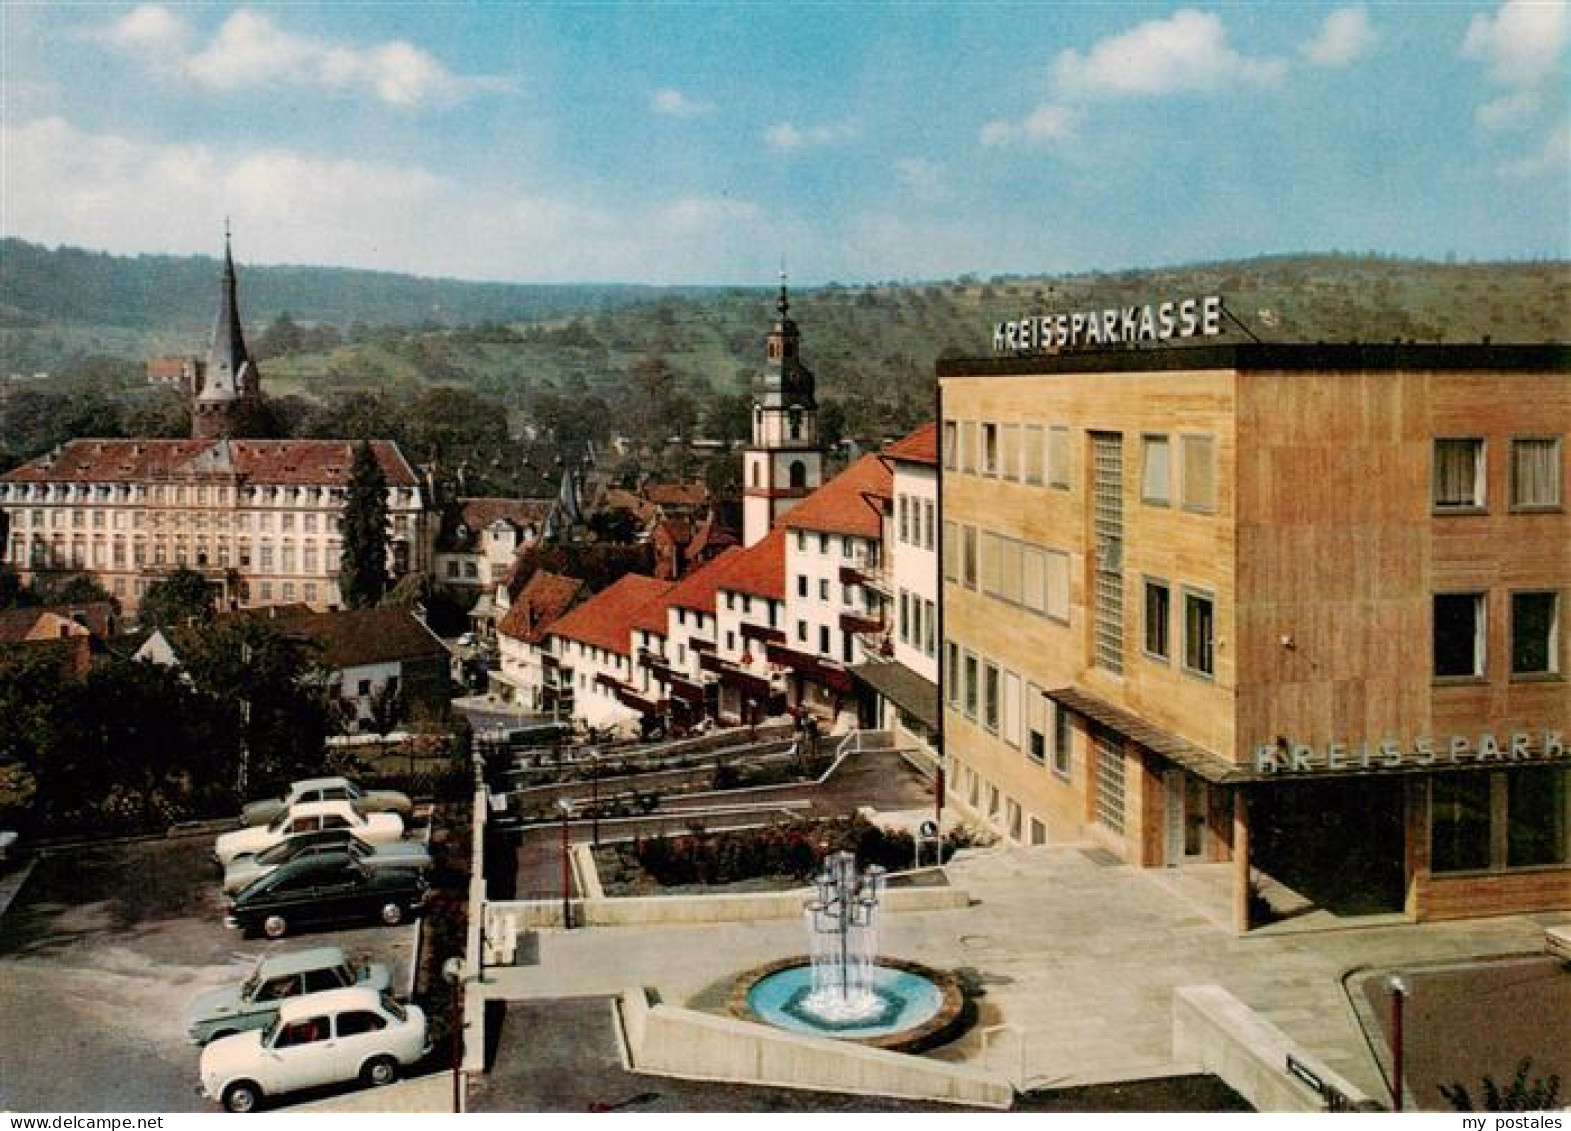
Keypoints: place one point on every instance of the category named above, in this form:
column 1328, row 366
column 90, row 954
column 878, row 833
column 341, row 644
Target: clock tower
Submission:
column 784, row 463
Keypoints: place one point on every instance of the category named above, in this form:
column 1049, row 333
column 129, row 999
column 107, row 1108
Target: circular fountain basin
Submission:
column 910, row 1006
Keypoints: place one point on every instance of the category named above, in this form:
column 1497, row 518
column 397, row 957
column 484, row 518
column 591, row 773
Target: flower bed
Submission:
column 779, row 856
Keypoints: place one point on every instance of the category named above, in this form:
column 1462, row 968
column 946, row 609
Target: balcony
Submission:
column 869, row 575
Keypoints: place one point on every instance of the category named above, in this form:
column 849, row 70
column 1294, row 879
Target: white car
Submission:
column 314, row 816
column 324, row 1038
column 327, row 789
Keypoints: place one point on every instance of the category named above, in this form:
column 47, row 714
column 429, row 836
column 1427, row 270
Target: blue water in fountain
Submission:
column 902, row 1001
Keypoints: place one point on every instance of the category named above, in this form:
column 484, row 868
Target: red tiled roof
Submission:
column 697, row 590
column 710, row 536
column 759, row 569
column 850, row 503
column 477, row 514
column 93, row 618
column 314, row 462
column 919, row 447
column 677, row 494
column 543, row 599
column 606, row 619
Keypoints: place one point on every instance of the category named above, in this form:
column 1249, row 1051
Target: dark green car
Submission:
column 327, row 890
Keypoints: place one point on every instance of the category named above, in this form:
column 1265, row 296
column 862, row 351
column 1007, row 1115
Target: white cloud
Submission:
column 1345, row 37
column 252, row 50
column 1553, row 158
column 788, row 136
column 923, row 179
column 1188, row 51
column 149, row 29
column 1046, row 125
column 62, row 184
column 1521, row 43
column 674, row 104
column 1513, row 111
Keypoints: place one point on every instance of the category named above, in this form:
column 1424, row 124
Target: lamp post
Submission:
column 453, row 973
column 566, row 808
column 594, row 795
column 1399, row 988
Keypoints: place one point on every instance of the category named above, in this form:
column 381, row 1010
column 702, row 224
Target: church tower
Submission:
column 784, row 463
column 229, row 383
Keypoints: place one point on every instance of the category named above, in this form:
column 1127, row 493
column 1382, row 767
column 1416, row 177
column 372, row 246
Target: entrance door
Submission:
column 1184, row 828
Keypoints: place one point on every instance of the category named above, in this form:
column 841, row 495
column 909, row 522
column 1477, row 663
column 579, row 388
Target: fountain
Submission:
column 843, row 988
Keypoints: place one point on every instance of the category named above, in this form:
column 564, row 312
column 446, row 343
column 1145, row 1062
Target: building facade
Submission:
column 258, row 518
column 1292, row 607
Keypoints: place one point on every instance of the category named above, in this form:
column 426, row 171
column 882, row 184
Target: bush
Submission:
column 792, row 849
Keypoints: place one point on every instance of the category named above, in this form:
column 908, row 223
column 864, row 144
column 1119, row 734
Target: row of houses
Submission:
column 833, row 612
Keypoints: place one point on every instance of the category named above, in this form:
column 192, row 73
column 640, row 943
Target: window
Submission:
column 951, row 439
column 1459, row 822
column 1537, row 806
column 304, row 1032
column 989, row 449
column 823, row 589
column 1038, row 832
column 823, row 639
column 801, row 541
column 847, row 548
column 970, row 685
column 931, row 644
column 1535, row 473
column 801, row 631
column 990, row 696
column 1010, row 725
column 1199, row 634
column 359, row 1021
column 952, row 672
column 1459, row 635
column 1009, row 452
column 968, row 446
column 801, row 585
column 1535, row 635
column 1057, row 585
column 1156, row 472
column 905, row 617
column 951, row 552
column 823, row 544
column 1199, row 473
column 1157, row 607
column 1061, row 750
column 929, row 522
column 968, row 557
column 1459, row 474
column 1058, row 458
column 1036, row 724
column 1031, row 453
column 1013, row 821
column 1109, row 783
column 327, row 978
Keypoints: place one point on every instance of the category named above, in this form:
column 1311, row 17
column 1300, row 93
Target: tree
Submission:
column 13, row 594
column 1542, row 1093
column 362, row 573
column 181, row 597
column 72, row 589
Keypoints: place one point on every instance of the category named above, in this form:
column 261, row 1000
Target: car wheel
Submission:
column 242, row 1096
column 275, row 926
column 392, row 914
column 380, row 1072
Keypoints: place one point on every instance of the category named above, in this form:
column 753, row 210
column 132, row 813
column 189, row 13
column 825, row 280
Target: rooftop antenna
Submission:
column 1233, row 318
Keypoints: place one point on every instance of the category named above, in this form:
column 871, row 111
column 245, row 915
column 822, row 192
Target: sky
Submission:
column 850, row 142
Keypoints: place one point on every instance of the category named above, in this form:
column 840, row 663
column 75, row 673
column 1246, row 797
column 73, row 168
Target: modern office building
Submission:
column 1292, row 611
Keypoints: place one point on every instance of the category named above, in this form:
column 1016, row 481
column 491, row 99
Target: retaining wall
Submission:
column 665, row 1040
column 1217, row 1033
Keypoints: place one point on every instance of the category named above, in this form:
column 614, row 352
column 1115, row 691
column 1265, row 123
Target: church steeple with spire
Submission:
column 229, row 381
column 784, row 463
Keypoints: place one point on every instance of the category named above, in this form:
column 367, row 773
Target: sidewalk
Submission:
column 431, row 1094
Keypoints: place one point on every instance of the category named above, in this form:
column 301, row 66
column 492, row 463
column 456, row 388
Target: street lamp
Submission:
column 453, row 974
column 566, row 808
column 1399, row 989
column 594, row 794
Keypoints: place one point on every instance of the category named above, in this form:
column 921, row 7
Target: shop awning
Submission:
column 902, row 687
column 1212, row 767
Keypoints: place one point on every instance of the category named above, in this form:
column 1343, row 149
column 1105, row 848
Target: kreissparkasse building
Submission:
column 1291, row 610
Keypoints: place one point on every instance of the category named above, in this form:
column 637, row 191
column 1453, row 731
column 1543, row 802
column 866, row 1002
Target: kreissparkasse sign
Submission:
column 1485, row 748
column 1156, row 322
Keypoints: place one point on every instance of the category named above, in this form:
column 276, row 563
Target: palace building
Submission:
column 258, row 518
column 1289, row 613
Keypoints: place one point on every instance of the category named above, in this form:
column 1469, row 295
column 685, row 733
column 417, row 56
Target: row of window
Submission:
column 1031, row 577
column 1461, row 632
column 262, row 521
column 915, row 518
column 918, row 623
column 1490, row 822
column 848, row 593
column 1026, row 453
column 1461, row 474
column 118, row 555
column 1002, row 812
column 826, row 641
column 1018, row 712
column 1197, row 626
column 824, row 541
column 183, row 494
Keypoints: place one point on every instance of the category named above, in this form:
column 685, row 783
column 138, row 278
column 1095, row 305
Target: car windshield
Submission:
column 275, row 855
column 279, row 822
column 393, row 1008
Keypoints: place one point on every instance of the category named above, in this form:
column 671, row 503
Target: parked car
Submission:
column 330, row 889
column 327, row 789
column 309, row 817
column 319, row 1039
column 246, row 869
column 253, row 1003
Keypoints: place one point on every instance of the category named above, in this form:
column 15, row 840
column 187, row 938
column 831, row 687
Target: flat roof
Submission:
column 1348, row 357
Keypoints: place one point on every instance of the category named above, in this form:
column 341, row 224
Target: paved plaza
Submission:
column 1076, row 959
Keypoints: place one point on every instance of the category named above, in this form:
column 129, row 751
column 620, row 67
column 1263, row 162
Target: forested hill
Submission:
column 163, row 292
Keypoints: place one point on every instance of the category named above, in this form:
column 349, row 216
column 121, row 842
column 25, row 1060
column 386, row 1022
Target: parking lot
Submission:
column 100, row 955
